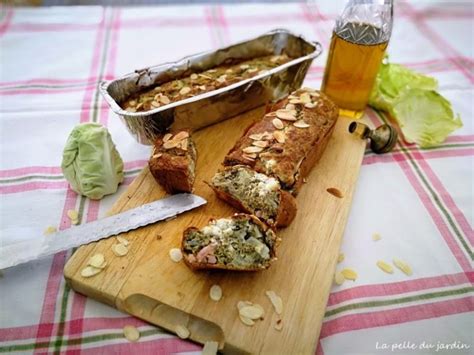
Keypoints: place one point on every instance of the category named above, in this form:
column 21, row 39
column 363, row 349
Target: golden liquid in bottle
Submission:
column 353, row 62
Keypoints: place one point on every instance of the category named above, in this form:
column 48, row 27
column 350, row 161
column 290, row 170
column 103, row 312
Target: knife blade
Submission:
column 134, row 218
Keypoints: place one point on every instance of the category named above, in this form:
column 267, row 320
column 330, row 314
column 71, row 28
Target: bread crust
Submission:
column 173, row 168
column 195, row 265
column 292, row 160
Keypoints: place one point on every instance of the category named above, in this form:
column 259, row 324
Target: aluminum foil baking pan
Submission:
column 214, row 106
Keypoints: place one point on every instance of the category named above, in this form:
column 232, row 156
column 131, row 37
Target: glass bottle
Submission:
column 359, row 40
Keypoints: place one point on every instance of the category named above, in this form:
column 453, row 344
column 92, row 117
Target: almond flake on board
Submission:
column 335, row 192
column 339, row 278
column 182, row 332
column 252, row 312
column 123, row 241
column 176, row 255
column 385, row 267
column 349, row 274
column 246, row 321
column 403, row 266
column 120, row 249
column 90, row 271
column 210, row 348
column 96, row 260
column 301, row 124
column 215, row 293
column 131, row 333
column 242, row 304
column 276, row 301
column 167, row 137
column 277, row 123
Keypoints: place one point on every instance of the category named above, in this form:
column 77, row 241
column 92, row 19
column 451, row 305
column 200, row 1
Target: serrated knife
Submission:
column 149, row 213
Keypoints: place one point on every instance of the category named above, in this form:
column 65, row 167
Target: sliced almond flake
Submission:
column 339, row 278
column 290, row 107
column 185, row 90
column 140, row 105
column 287, row 115
column 229, row 71
column 276, row 301
column 210, row 348
column 261, row 144
column 385, row 267
column 301, row 124
column 403, row 266
column 120, row 249
column 252, row 312
column 244, row 66
column 222, row 78
column 275, row 59
column 242, row 304
column 310, row 105
column 251, row 157
column 256, row 137
column 215, row 293
column 277, row 123
column 305, row 98
column 212, row 70
column 155, row 104
column 252, row 70
column 176, row 255
column 72, row 214
column 131, row 109
column 335, row 192
column 132, row 102
column 349, row 274
column 90, row 271
column 50, row 230
column 315, row 94
column 123, row 241
column 264, row 71
column 290, row 97
column 206, row 76
column 202, row 87
column 156, row 156
column 279, row 136
column 252, row 149
column 170, row 144
column 131, row 333
column 376, row 236
column 164, row 99
column 184, row 144
column 182, row 331
column 340, row 258
column 278, row 325
column 181, row 135
column 295, row 101
column 167, row 137
column 96, row 260
column 193, row 76
column 246, row 320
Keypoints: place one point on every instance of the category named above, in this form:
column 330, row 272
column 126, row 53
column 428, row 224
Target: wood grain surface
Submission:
column 147, row 284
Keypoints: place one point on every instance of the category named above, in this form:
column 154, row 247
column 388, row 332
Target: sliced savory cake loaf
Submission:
column 255, row 193
column 173, row 162
column 241, row 242
column 288, row 141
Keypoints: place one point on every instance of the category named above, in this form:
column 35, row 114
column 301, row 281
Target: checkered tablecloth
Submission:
column 419, row 200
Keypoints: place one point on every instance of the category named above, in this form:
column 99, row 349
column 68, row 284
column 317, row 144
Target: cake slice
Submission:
column 255, row 193
column 289, row 140
column 173, row 162
column 241, row 242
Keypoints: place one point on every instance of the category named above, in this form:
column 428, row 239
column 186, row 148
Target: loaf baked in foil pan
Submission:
column 214, row 106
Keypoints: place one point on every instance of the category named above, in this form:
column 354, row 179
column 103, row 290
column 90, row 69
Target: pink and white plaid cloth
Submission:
column 419, row 200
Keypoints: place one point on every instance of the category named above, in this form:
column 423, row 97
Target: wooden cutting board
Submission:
column 147, row 284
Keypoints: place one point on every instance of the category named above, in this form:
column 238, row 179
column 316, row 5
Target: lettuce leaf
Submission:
column 424, row 116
